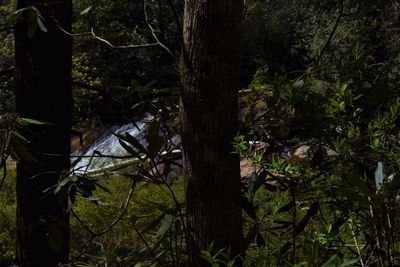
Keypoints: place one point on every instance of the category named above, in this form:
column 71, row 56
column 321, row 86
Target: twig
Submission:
column 157, row 43
column 263, row 114
column 294, row 217
column 154, row 34
column 356, row 244
column 180, row 212
column 122, row 213
column 143, row 240
column 328, row 41
column 92, row 33
column 123, row 46
column 378, row 241
column 4, row 175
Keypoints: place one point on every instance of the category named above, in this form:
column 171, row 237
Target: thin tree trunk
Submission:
column 43, row 92
column 209, row 121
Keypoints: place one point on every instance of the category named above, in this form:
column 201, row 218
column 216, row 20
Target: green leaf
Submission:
column 65, row 181
column 349, row 262
column 285, row 223
column 32, row 28
column 155, row 205
column 298, row 84
column 286, row 207
column 41, row 24
column 57, row 189
column 260, row 240
column 256, row 181
column 334, row 261
column 341, row 90
column 86, row 10
column 20, row 148
column 20, row 16
column 312, row 211
column 128, row 149
column 252, row 234
column 393, row 186
column 248, row 207
column 151, row 226
column 351, row 194
column 166, row 225
column 360, row 184
column 27, row 121
column 128, row 138
column 105, row 189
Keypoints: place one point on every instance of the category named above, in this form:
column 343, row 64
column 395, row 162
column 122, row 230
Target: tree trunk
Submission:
column 43, row 92
column 209, row 121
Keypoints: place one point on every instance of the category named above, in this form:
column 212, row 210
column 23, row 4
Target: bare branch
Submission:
column 108, row 43
column 4, row 175
column 328, row 41
column 130, row 46
column 93, row 234
column 123, row 46
column 154, row 34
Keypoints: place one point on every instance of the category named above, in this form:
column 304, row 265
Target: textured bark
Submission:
column 209, row 121
column 43, row 92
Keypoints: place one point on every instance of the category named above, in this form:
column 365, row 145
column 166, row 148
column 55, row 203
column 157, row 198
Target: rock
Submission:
column 247, row 167
column 302, row 152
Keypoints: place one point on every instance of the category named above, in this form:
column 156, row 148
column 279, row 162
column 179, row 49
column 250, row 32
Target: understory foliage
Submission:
column 319, row 136
column 326, row 180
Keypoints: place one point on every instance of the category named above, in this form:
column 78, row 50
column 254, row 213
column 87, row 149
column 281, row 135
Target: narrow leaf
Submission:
column 166, row 225
column 334, row 261
column 304, row 221
column 41, row 24
column 86, row 10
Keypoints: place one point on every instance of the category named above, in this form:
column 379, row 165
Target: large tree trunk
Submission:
column 209, row 121
column 43, row 92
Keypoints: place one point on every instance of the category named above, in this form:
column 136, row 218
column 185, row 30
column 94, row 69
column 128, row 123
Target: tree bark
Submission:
column 209, row 121
column 43, row 92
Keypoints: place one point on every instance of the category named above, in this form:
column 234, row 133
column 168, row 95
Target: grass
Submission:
column 122, row 244
column 135, row 236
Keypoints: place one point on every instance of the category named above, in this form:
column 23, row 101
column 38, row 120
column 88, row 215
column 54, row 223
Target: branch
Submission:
column 328, row 41
column 108, row 43
column 4, row 175
column 122, row 213
column 154, row 34
column 123, row 46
